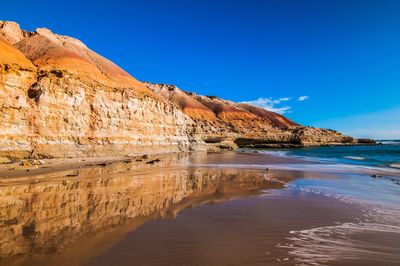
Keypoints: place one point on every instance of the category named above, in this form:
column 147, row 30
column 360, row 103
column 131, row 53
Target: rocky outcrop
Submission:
column 58, row 98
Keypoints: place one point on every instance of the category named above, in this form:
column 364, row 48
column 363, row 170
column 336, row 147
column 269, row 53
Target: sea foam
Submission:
column 365, row 238
column 354, row 157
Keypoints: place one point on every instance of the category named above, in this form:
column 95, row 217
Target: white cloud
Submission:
column 271, row 104
column 303, row 98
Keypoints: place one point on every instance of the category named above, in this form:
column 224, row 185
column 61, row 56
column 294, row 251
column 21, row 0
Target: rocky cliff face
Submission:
column 220, row 121
column 58, row 98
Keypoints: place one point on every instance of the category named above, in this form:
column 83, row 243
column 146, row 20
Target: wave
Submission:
column 390, row 142
column 354, row 157
column 281, row 154
column 381, row 161
column 287, row 154
column 365, row 238
column 321, row 245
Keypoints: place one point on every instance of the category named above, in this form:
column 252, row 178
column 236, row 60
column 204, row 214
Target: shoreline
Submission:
column 15, row 167
column 29, row 168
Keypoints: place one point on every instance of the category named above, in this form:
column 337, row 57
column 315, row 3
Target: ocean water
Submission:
column 364, row 173
column 387, row 154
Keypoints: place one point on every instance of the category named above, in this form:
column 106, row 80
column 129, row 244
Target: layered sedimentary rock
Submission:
column 220, row 120
column 58, row 98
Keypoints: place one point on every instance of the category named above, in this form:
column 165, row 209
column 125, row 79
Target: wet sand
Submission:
column 179, row 211
column 241, row 232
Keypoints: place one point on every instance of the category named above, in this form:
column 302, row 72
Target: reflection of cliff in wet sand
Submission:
column 46, row 216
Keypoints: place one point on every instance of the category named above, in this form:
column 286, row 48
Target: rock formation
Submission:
column 225, row 122
column 58, row 98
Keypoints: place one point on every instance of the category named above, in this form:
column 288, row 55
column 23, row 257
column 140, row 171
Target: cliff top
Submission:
column 213, row 108
column 48, row 51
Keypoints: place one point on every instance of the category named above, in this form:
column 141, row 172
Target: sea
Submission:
column 384, row 155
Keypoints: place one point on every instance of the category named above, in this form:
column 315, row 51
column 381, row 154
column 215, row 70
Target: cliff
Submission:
column 228, row 124
column 60, row 99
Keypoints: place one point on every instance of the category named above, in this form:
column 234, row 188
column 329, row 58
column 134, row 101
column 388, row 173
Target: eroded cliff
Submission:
column 58, row 98
column 229, row 124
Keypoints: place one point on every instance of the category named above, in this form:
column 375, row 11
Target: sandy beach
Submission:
column 180, row 208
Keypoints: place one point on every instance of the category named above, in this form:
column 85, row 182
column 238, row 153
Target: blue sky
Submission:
column 343, row 55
